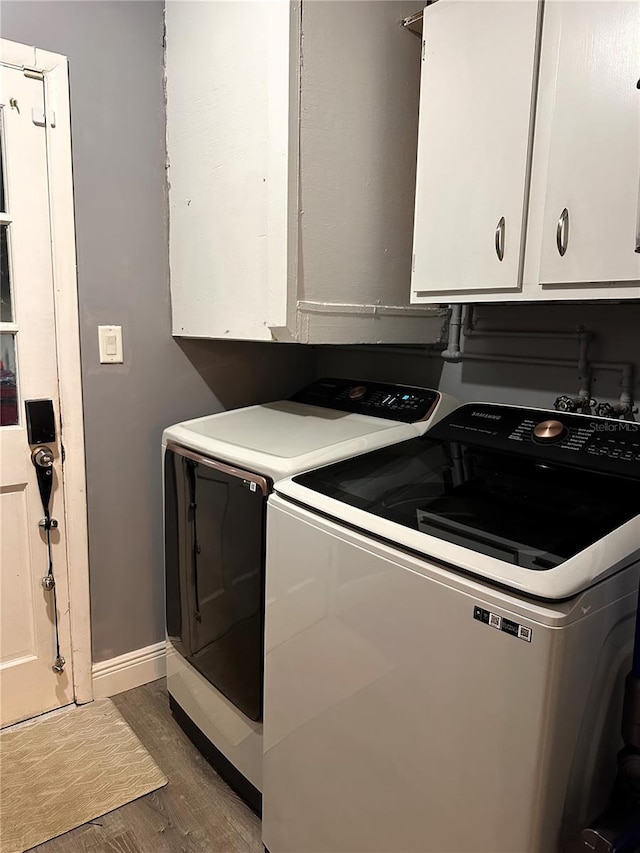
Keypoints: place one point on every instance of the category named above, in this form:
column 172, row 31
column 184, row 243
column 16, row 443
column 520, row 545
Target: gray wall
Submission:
column 617, row 338
column 118, row 123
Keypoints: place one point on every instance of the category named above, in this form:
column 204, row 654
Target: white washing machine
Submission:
column 218, row 474
column 449, row 622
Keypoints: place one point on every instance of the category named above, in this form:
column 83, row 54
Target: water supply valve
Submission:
column 618, row 410
column 564, row 403
column 605, row 410
column 623, row 409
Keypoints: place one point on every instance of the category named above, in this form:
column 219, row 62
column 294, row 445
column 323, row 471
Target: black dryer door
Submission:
column 214, row 567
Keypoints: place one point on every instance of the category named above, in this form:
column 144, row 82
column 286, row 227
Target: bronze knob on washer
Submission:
column 549, row 431
column 358, row 392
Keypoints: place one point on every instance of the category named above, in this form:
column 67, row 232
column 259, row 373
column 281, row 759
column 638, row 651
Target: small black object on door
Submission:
column 41, row 421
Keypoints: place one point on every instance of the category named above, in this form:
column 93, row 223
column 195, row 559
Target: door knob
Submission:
column 42, row 457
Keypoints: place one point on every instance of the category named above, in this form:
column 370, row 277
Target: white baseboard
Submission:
column 128, row 671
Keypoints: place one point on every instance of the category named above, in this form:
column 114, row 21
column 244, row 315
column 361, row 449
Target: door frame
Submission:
column 54, row 69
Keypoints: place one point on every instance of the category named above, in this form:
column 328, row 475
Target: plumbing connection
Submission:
column 463, row 325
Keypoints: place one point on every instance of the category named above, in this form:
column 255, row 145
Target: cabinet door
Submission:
column 590, row 229
column 478, row 83
column 227, row 72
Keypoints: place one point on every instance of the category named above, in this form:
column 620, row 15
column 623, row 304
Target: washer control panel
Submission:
column 404, row 403
column 591, row 442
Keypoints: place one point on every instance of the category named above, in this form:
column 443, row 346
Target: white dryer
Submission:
column 218, row 474
column 449, row 623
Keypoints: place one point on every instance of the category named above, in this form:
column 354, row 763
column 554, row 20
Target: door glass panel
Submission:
column 8, row 381
column 6, row 307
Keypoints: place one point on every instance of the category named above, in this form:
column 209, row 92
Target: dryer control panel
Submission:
column 404, row 403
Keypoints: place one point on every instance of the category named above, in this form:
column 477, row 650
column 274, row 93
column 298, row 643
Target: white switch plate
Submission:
column 110, row 344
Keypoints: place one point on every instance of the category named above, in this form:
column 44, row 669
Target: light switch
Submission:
column 110, row 344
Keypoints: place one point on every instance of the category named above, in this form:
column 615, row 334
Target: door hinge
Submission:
column 33, row 73
column 424, row 48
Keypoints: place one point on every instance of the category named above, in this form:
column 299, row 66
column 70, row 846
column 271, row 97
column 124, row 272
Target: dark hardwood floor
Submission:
column 195, row 812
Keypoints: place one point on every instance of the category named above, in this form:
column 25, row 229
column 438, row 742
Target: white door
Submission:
column 477, row 86
column 29, row 684
column 591, row 50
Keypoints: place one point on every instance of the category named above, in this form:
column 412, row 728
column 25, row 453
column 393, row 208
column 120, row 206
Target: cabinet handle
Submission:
column 500, row 239
column 562, row 232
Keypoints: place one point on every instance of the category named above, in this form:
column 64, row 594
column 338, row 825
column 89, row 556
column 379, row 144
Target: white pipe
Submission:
column 455, row 325
column 624, row 367
column 626, row 396
column 626, row 391
column 521, row 333
column 584, row 337
column 626, row 381
column 584, row 371
column 471, row 331
column 511, row 359
column 453, row 353
column 581, row 335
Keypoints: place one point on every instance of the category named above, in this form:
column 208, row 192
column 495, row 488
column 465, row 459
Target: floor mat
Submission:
column 64, row 770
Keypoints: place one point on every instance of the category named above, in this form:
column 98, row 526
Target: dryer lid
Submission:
column 280, row 439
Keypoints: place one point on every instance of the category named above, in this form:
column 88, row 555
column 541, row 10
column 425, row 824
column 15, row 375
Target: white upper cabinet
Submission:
column 590, row 227
column 291, row 137
column 476, row 100
column 577, row 182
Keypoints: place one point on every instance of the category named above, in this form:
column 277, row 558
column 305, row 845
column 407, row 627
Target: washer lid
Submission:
column 282, row 438
column 613, row 552
column 480, row 487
